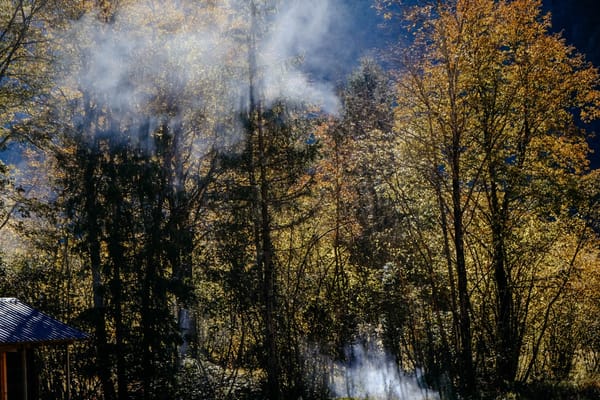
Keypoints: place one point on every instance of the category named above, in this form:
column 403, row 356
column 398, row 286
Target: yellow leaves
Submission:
column 495, row 84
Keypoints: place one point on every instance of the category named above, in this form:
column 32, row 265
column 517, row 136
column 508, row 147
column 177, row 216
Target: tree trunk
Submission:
column 262, row 219
column 117, row 255
column 93, row 229
column 507, row 346
column 468, row 382
column 180, row 246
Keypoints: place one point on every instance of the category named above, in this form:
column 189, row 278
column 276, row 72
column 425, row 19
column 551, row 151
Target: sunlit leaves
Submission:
column 488, row 101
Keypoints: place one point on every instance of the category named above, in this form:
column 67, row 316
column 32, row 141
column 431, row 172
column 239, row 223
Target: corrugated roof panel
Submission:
column 20, row 324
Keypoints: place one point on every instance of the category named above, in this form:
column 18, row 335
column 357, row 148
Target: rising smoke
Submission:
column 198, row 54
column 307, row 29
column 371, row 373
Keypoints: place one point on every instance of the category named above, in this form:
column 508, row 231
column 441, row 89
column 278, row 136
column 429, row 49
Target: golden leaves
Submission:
column 490, row 105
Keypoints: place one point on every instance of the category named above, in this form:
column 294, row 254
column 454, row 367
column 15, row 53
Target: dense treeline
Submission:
column 178, row 192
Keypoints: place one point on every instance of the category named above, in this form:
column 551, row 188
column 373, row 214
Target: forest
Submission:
column 230, row 213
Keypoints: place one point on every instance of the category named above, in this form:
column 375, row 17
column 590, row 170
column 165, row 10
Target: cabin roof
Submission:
column 21, row 324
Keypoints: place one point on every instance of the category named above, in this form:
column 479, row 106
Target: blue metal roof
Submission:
column 21, row 324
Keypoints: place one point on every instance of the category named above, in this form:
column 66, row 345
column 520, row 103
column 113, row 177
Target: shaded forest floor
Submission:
column 589, row 390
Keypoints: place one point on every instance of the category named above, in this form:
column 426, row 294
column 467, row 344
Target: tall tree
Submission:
column 137, row 157
column 24, row 61
column 265, row 179
column 488, row 96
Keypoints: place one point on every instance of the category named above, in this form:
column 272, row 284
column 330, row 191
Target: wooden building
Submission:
column 22, row 329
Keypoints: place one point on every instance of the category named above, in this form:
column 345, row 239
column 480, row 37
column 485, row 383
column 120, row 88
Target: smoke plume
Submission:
column 371, row 373
column 197, row 54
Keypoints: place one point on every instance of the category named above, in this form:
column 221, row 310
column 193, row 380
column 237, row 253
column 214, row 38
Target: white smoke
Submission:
column 196, row 53
column 371, row 373
column 144, row 54
column 301, row 30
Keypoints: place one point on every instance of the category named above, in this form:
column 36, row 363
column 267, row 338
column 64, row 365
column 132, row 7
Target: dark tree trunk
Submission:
column 117, row 255
column 467, row 374
column 507, row 340
column 93, row 239
column 257, row 152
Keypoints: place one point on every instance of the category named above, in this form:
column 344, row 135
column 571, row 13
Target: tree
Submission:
column 262, row 203
column 23, row 49
column 137, row 154
column 353, row 170
column 487, row 96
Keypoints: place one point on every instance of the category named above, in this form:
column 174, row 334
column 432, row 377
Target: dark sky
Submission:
column 579, row 21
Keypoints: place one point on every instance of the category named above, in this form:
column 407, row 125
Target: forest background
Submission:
column 228, row 200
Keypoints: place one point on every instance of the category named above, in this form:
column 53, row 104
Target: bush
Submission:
column 202, row 380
